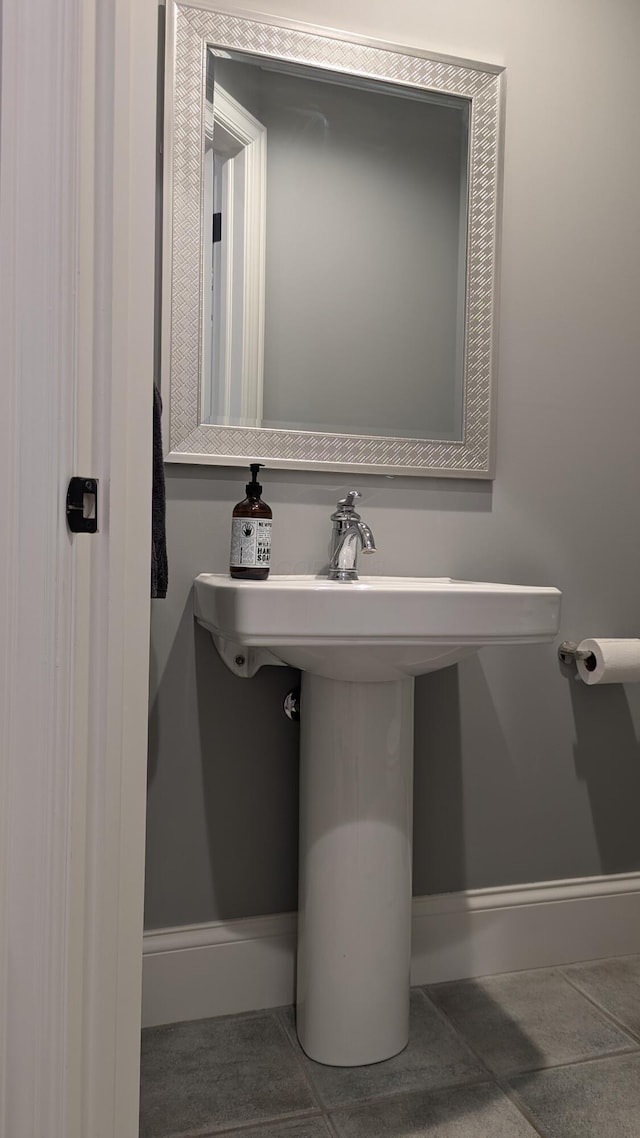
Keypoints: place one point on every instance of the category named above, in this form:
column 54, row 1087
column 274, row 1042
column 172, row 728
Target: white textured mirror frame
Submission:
column 190, row 29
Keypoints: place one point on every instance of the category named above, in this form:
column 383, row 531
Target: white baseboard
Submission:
column 198, row 971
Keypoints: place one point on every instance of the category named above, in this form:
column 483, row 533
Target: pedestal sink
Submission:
column 360, row 644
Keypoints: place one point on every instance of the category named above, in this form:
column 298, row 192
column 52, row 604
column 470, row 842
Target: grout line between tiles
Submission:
column 294, row 1043
column 523, row 1109
column 502, row 1081
column 496, row 1079
column 241, row 1127
column 606, row 1057
column 250, row 1128
column 253, row 1013
column 619, row 1023
column 616, row 1052
column 314, row 1111
column 506, row 1092
column 512, row 1093
column 330, row 1126
column 460, row 1037
column 392, row 1096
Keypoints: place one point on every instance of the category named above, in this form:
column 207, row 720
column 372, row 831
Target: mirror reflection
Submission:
column 335, row 223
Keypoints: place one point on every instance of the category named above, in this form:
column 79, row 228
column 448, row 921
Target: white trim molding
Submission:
column 116, row 336
column 217, row 969
column 235, row 966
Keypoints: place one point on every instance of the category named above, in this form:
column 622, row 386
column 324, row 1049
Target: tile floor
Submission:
column 553, row 1052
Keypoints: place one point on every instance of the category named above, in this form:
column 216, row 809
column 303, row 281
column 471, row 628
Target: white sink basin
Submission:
column 374, row 629
column 359, row 645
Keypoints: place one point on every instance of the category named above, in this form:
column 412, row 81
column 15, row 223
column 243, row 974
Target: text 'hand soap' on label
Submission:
column 250, row 543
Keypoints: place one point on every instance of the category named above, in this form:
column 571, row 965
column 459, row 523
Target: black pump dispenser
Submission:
column 251, row 533
column 253, row 488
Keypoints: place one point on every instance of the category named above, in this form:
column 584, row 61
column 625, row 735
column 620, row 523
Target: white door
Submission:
column 77, row 197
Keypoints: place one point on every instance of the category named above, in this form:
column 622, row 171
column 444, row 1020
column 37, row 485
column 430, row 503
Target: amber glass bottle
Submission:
column 251, row 533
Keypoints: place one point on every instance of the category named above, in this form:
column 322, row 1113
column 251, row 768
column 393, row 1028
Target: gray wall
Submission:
column 521, row 774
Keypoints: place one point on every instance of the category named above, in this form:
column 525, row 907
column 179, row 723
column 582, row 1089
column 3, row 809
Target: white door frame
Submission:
column 233, row 355
column 77, row 199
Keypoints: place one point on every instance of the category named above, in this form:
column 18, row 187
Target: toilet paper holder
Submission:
column 569, row 653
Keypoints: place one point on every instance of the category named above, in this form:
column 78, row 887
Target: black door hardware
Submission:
column 82, row 505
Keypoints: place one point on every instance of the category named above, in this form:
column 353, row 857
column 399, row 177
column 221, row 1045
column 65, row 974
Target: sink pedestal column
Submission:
column 354, row 938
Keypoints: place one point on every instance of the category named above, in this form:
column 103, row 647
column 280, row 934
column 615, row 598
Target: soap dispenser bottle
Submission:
column 251, row 533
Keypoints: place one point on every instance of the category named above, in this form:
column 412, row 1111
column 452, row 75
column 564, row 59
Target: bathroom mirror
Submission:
column 329, row 268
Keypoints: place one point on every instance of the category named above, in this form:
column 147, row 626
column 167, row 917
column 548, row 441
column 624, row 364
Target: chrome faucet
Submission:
column 349, row 535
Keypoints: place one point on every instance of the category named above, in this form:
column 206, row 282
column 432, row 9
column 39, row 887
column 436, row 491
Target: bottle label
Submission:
column 250, row 543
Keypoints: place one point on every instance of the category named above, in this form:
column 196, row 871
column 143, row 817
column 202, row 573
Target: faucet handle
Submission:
column 347, row 502
column 345, row 512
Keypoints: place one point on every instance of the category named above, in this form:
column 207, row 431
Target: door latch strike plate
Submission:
column 82, row 505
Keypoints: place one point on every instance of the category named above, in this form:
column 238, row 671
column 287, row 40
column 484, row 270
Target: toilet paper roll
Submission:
column 610, row 661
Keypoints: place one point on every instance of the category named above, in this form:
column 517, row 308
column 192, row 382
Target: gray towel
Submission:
column 159, row 568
